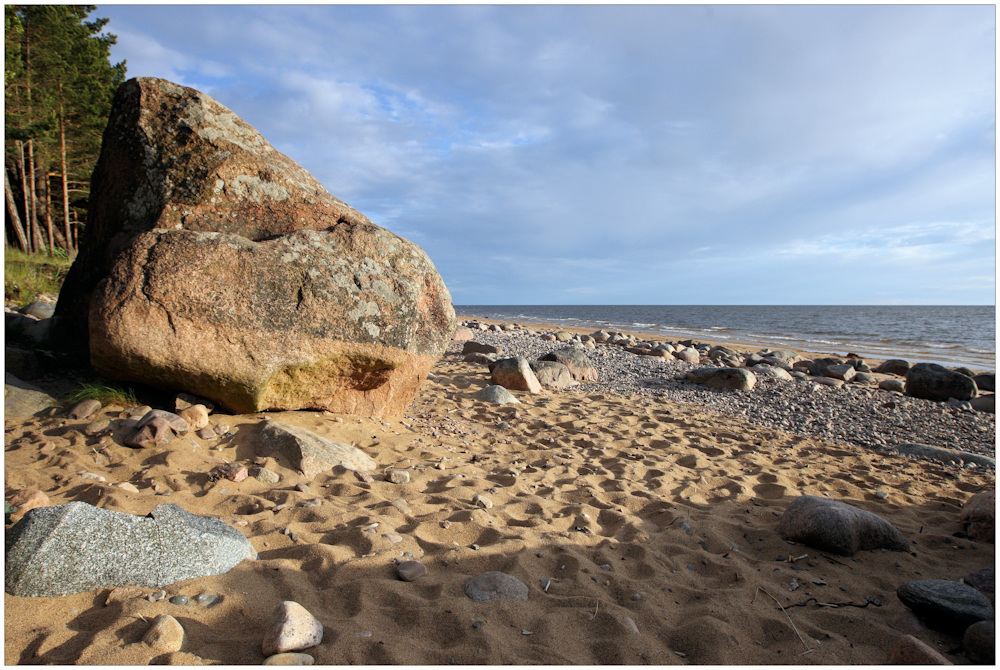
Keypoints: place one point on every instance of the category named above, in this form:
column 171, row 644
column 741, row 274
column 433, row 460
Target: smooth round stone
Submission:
column 206, row 599
column 495, row 586
column 945, row 604
column 980, row 642
column 183, row 601
column 482, row 501
column 289, row 658
column 410, row 571
column 392, row 537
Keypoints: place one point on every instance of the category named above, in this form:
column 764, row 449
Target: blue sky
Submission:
column 642, row 154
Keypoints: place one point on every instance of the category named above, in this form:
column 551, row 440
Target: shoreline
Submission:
column 976, row 361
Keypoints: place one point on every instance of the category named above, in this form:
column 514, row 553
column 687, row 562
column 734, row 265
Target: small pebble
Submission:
column 881, row 495
column 183, row 601
column 482, row 501
column 410, row 571
column 303, row 488
column 478, row 624
column 399, row 476
column 315, row 502
column 363, row 633
column 637, row 596
column 392, row 537
column 159, row 595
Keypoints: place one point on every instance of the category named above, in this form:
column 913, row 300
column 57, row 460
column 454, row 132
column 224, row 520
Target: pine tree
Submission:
column 58, row 84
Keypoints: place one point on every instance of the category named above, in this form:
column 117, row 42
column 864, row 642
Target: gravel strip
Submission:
column 862, row 415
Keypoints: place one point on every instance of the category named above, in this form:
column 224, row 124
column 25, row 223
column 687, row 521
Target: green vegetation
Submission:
column 26, row 276
column 107, row 394
column 58, row 86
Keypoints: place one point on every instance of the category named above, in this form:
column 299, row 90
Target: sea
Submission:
column 948, row 335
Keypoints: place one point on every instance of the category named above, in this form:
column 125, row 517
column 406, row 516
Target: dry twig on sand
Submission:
column 808, row 649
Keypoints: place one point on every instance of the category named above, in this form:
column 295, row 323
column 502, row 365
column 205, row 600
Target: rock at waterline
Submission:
column 945, row 604
column 75, row 547
column 936, row 382
column 837, row 527
column 213, row 263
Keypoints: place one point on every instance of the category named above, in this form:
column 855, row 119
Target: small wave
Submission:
column 645, row 325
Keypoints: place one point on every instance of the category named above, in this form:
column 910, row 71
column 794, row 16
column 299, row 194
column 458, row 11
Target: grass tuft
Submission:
column 107, row 394
column 26, row 276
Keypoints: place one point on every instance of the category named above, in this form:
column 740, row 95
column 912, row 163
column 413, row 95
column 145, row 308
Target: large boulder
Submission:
column 837, row 527
column 945, row 604
column 214, row 264
column 979, row 516
column 76, row 547
column 936, row 382
column 552, row 374
column 514, row 373
column 576, row 359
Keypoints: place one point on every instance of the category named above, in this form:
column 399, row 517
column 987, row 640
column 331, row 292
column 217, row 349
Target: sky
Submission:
column 639, row 154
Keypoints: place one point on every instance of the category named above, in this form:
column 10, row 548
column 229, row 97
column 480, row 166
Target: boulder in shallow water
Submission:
column 75, row 547
column 838, row 527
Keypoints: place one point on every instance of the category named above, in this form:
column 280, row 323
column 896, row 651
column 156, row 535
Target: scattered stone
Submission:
column 563, row 336
column 838, row 527
column 473, row 347
column 234, row 472
column 983, row 580
column 26, row 500
column 498, row 395
column 308, row 451
column 265, row 475
column 293, row 629
column 206, row 434
column 289, row 658
column 165, row 635
column 979, row 516
column 985, row 403
column 180, row 601
column 480, row 359
column 941, row 454
column 552, row 374
column 740, row 379
column 936, row 382
column 398, row 476
column 894, row 366
column 97, row 427
column 196, row 416
column 828, row 381
column 394, row 538
column 127, row 486
column 986, row 381
column 363, row 476
column 945, row 604
column 84, row 409
column 911, row 651
column 76, row 547
column 482, row 501
column 980, row 642
column 462, row 334
column 688, row 355
column 897, row 385
column 401, row 505
column 843, row 372
column 410, row 571
column 495, row 586
column 207, row 599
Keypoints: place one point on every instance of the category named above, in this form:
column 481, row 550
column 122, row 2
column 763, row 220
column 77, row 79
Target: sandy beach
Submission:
column 644, row 529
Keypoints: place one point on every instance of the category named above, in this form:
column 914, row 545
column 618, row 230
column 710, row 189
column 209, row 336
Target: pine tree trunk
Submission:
column 15, row 219
column 47, row 212
column 33, row 200
column 27, row 203
column 65, row 181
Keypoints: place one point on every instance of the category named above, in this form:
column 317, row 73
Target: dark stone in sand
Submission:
column 945, row 604
column 894, row 366
column 838, row 527
column 983, row 580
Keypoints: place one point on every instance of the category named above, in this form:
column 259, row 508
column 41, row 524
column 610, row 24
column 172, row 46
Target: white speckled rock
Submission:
column 294, row 629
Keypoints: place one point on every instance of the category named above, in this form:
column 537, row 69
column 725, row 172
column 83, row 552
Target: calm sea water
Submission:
column 949, row 335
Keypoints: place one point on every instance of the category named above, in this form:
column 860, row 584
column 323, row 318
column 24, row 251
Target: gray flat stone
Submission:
column 495, row 586
column 76, row 547
column 306, row 450
column 21, row 399
column 941, row 454
column 945, row 604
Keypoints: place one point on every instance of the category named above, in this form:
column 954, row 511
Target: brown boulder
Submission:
column 837, row 527
column 214, row 264
column 979, row 516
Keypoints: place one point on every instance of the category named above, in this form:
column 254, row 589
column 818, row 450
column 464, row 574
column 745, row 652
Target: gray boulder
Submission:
column 576, row 359
column 552, row 374
column 40, row 310
column 739, row 379
column 497, row 394
column 306, row 450
column 76, row 547
column 480, row 358
column 936, row 382
column 820, row 366
column 844, row 371
column 515, row 373
column 897, row 385
column 986, row 381
column 838, row 527
column 985, row 403
column 894, row 366
column 945, row 604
